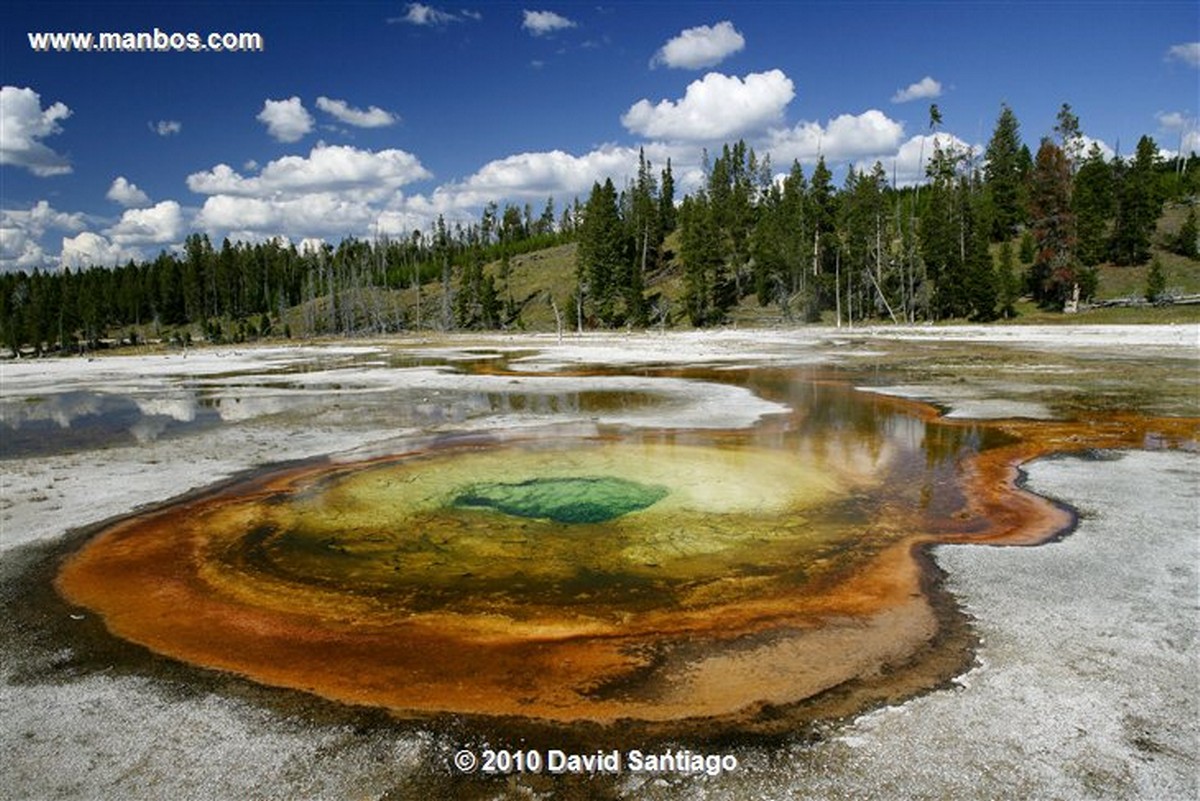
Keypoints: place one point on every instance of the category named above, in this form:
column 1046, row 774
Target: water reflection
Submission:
column 74, row 421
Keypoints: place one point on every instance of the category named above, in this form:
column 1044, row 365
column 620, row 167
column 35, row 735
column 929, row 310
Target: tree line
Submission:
column 982, row 230
column 243, row 291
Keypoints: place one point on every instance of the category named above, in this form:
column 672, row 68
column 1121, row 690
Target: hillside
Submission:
column 551, row 272
column 540, row 275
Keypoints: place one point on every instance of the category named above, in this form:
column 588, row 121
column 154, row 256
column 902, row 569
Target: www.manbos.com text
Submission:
column 155, row 41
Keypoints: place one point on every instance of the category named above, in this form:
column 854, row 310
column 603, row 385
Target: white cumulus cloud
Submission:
column 536, row 176
column 90, row 249
column 42, row 217
column 251, row 219
column 373, row 117
column 927, row 87
column 130, row 238
column 1174, row 120
column 327, row 168
column 20, row 251
column 1182, row 129
column 126, row 193
column 542, row 23
column 24, row 124
column 1188, row 53
column 909, row 161
column 845, row 137
column 286, row 120
column 703, row 46
column 22, row 230
column 1086, row 142
column 334, row 191
column 714, row 107
column 160, row 224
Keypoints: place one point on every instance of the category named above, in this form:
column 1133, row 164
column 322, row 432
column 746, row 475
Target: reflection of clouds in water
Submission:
column 72, row 407
column 401, row 407
column 849, row 456
column 177, row 407
column 67, row 408
column 865, row 458
column 432, row 395
column 62, row 408
column 907, row 432
column 146, row 408
column 66, row 421
column 148, row 429
column 233, row 409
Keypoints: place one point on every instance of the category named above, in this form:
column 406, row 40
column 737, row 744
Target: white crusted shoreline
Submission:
column 1086, row 683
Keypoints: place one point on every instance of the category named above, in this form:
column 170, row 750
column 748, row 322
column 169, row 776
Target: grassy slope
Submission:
column 554, row 270
column 1183, row 274
column 1116, row 282
column 536, row 277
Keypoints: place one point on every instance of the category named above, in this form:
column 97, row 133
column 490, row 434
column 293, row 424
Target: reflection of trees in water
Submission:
column 844, row 427
column 825, row 410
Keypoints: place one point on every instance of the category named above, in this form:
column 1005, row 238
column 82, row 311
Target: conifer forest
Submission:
column 983, row 230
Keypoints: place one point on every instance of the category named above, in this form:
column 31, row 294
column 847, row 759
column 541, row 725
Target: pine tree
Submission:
column 602, row 258
column 781, row 244
column 512, row 225
column 708, row 288
column 766, row 250
column 545, row 223
column 1070, row 136
column 1055, row 269
column 795, row 230
column 731, row 195
column 441, row 254
column 1156, row 281
column 468, row 311
column 1093, row 205
column 1007, row 283
column 666, row 200
column 943, row 233
column 1138, row 206
column 1186, row 240
column 982, row 284
column 1003, row 177
column 865, row 237
column 822, row 210
column 1028, row 248
column 644, row 228
column 197, row 265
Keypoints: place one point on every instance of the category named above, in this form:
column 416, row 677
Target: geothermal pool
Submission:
column 654, row 574
column 532, row 547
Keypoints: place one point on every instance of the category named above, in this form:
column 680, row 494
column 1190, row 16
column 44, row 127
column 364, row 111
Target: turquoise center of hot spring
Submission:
column 563, row 500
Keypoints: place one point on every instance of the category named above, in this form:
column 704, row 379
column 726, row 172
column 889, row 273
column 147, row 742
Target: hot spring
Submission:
column 642, row 574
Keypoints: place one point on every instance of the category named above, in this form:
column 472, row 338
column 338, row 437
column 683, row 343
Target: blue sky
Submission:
column 357, row 118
